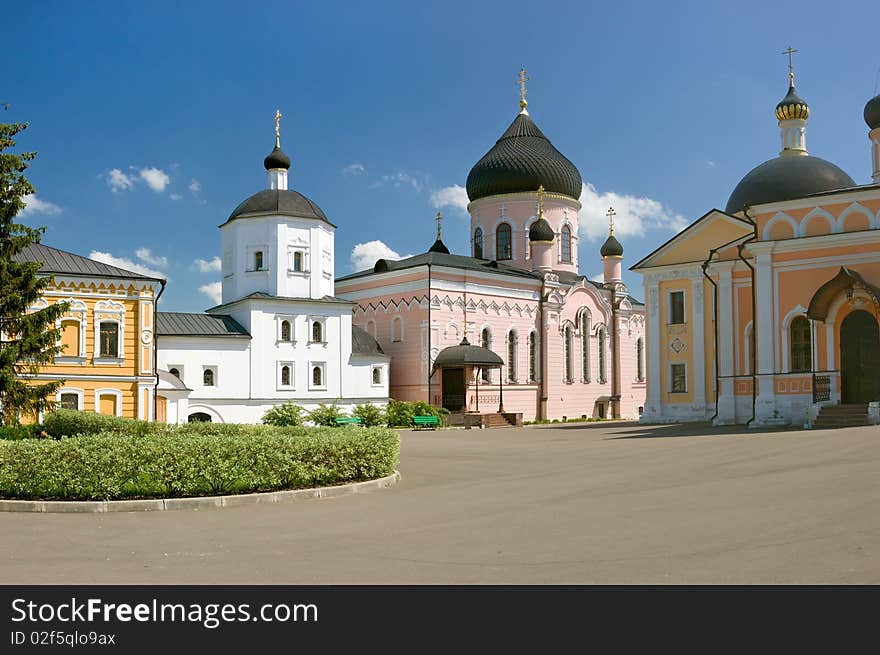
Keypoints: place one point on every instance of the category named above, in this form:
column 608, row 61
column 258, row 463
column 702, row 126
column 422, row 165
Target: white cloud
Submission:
column 124, row 263
column 175, row 196
column 33, row 205
column 195, row 186
column 155, row 178
column 451, row 196
column 710, row 163
column 119, row 181
column 214, row 291
column 146, row 255
column 364, row 255
column 634, row 215
column 355, row 168
column 399, row 179
column 207, row 266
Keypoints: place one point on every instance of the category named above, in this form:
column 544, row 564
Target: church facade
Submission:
column 568, row 346
column 767, row 312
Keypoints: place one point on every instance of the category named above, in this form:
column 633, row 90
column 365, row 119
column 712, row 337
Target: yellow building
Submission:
column 107, row 334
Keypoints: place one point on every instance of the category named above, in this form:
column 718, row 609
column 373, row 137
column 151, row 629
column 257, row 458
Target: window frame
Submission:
column 801, row 348
column 684, row 367
column 512, row 353
column 322, row 366
column 100, row 354
column 291, row 383
column 478, row 241
column 213, row 371
column 671, row 307
column 565, row 244
column 507, row 255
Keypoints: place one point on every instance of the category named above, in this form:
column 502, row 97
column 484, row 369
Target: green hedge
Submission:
column 71, row 422
column 193, row 460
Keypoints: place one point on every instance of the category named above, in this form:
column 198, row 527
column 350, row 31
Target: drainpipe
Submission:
column 754, row 237
column 615, row 358
column 542, row 403
column 430, row 368
column 156, row 348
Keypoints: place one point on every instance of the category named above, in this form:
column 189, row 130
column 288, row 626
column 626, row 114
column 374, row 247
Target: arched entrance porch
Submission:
column 859, row 358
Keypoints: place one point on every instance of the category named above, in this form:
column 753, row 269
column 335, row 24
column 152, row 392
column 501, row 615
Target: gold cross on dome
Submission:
column 521, row 80
column 790, row 51
column 439, row 219
column 541, row 201
column 277, row 128
column 611, row 214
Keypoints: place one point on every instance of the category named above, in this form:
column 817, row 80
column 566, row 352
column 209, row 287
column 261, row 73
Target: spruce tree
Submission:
column 28, row 340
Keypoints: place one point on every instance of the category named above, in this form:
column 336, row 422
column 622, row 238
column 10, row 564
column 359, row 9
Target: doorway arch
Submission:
column 859, row 358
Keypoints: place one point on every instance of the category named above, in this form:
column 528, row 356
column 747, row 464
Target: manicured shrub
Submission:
column 326, row 415
column 369, row 414
column 15, row 432
column 400, row 414
column 71, row 422
column 282, row 415
column 193, row 460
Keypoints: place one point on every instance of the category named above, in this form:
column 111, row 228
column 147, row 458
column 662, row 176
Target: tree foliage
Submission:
column 28, row 340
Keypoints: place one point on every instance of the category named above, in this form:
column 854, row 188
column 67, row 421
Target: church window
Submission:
column 602, row 339
column 511, row 356
column 285, row 331
column 533, row 357
column 297, row 261
column 208, row 377
column 258, row 260
column 565, row 243
column 503, row 246
column 377, row 375
column 485, row 342
column 317, row 332
column 801, row 351
column 478, row 243
column 175, row 372
column 678, row 378
column 317, row 376
column 69, row 401
column 676, row 308
column 70, row 338
column 285, row 376
column 397, row 329
column 640, row 359
column 109, row 337
column 567, row 345
column 585, row 345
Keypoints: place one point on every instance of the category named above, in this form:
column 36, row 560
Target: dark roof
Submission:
column 278, row 202
column 792, row 106
column 541, row 231
column 611, row 247
column 522, row 160
column 786, row 178
column 845, row 279
column 442, row 259
column 53, row 260
column 872, row 112
column 440, row 247
column 464, row 354
column 363, row 344
column 262, row 295
column 276, row 159
column 185, row 324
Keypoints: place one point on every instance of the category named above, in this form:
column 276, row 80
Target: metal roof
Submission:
column 53, row 260
column 185, row 324
column 364, row 344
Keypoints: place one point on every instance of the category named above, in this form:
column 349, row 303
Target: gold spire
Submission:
column 521, row 80
column 277, row 128
column 439, row 218
column 790, row 51
column 611, row 214
column 540, row 202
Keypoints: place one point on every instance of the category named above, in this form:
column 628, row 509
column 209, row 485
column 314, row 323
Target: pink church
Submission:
column 564, row 345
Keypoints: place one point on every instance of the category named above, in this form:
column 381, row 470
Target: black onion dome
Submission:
column 872, row 113
column 276, row 159
column 786, row 178
column 278, row 202
column 439, row 246
column 611, row 247
column 522, row 160
column 541, row 231
column 792, row 107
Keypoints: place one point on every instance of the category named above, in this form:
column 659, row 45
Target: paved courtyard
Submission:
column 578, row 503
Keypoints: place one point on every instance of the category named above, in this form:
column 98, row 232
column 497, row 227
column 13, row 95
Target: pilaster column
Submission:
column 765, row 327
column 726, row 401
column 699, row 345
column 653, row 408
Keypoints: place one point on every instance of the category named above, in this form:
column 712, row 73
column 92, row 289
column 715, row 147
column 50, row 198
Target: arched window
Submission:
column 208, row 377
column 175, row 372
column 297, row 261
column 801, row 352
column 285, row 376
column 567, row 343
column 485, row 342
column 285, row 330
column 70, row 338
column 199, row 417
column 69, row 401
column 603, row 337
column 109, row 336
column 478, row 243
column 640, row 359
column 503, row 248
column 377, row 375
column 258, row 260
column 316, row 376
column 585, row 345
column 511, row 356
column 533, row 357
column 397, row 329
column 565, row 243
column 317, row 332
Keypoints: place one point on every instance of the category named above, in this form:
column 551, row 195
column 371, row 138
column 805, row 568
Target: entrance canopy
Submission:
column 464, row 354
column 845, row 281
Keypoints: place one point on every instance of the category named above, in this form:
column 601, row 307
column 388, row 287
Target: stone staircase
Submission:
column 496, row 421
column 841, row 416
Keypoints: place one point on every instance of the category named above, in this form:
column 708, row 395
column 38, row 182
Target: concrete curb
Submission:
column 196, row 503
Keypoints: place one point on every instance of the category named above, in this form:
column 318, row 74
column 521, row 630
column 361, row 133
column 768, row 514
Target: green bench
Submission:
column 425, row 422
column 349, row 420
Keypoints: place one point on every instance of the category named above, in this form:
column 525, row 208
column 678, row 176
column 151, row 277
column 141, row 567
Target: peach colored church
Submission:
column 511, row 330
column 766, row 313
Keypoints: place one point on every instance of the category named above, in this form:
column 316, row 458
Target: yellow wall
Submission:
column 669, row 333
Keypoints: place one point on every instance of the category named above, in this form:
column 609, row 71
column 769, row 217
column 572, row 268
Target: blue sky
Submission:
column 662, row 106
